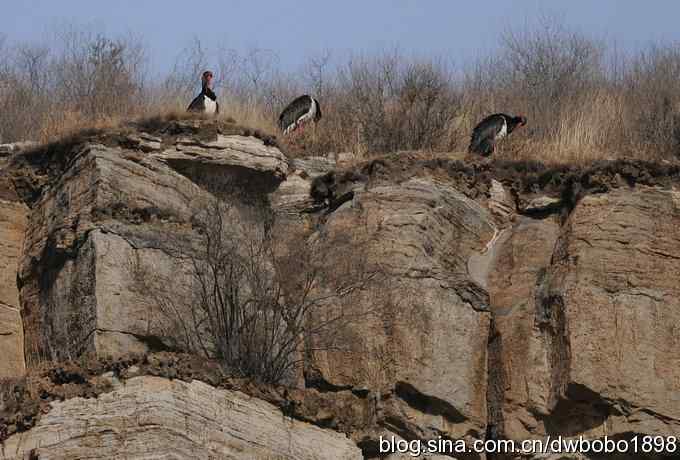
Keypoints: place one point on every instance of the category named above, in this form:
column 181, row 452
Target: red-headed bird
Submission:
column 492, row 130
column 206, row 101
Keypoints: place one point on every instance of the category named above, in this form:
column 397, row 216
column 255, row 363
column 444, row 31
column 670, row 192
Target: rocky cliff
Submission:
column 523, row 301
column 13, row 214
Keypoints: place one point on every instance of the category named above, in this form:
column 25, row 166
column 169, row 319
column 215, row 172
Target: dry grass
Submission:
column 583, row 103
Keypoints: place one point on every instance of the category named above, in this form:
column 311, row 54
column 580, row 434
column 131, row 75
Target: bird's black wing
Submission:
column 293, row 111
column 197, row 105
column 484, row 133
column 496, row 121
column 210, row 93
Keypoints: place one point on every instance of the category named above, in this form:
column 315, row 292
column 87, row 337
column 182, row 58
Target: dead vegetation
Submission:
column 584, row 100
column 251, row 299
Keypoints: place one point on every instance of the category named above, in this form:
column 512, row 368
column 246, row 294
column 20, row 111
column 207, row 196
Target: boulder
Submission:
column 15, row 147
column 236, row 162
column 540, row 205
column 500, row 201
column 107, row 204
column 292, row 197
column 311, row 167
column 11, row 343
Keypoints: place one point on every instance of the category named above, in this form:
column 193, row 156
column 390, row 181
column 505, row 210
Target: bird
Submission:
column 492, row 130
column 302, row 110
column 206, row 101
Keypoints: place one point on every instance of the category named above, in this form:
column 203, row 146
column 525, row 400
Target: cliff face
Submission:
column 521, row 302
column 586, row 319
column 544, row 304
column 96, row 209
column 13, row 214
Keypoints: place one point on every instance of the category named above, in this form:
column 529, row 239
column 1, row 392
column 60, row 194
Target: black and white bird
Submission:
column 492, row 130
column 302, row 110
column 206, row 101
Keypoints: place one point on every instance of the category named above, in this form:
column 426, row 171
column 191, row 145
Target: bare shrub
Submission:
column 652, row 86
column 98, row 76
column 78, row 79
column 426, row 106
column 24, row 90
column 316, row 72
column 382, row 104
column 250, row 303
column 549, row 66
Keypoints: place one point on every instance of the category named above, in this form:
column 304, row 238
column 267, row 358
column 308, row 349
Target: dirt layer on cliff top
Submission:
column 472, row 175
column 24, row 400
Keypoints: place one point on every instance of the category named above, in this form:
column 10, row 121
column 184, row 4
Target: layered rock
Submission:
column 519, row 355
column 12, row 225
column 13, row 215
column 103, row 208
column 585, row 339
column 152, row 417
column 505, row 310
column 559, row 281
column 107, row 210
column 614, row 277
column 292, row 198
column 423, row 354
column 228, row 161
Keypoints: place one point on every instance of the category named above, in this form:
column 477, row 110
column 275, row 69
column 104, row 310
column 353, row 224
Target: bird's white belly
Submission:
column 304, row 118
column 210, row 105
column 503, row 132
column 310, row 113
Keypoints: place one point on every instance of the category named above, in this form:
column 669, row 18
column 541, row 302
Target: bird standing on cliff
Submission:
column 206, row 101
column 302, row 110
column 492, row 130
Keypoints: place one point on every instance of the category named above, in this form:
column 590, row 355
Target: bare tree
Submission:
column 653, row 87
column 549, row 65
column 250, row 303
column 188, row 66
column 316, row 72
column 25, row 82
column 228, row 65
column 98, row 76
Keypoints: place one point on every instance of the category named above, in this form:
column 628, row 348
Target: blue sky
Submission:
column 299, row 28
